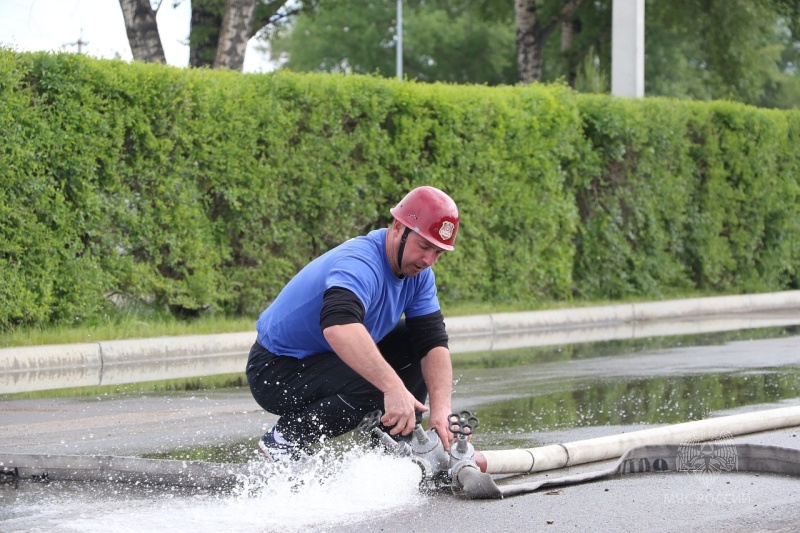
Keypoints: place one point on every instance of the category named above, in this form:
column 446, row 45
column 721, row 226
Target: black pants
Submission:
column 322, row 396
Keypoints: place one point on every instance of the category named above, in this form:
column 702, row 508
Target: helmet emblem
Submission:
column 446, row 231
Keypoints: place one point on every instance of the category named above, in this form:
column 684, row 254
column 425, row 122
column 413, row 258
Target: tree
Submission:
column 688, row 45
column 234, row 33
column 142, row 30
column 783, row 90
column 690, row 52
column 535, row 21
column 443, row 41
column 220, row 29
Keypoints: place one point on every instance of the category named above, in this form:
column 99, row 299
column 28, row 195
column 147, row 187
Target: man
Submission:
column 333, row 346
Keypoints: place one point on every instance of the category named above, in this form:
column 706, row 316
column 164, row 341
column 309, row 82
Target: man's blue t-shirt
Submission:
column 290, row 325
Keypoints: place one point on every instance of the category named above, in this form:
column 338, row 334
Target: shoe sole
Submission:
column 265, row 453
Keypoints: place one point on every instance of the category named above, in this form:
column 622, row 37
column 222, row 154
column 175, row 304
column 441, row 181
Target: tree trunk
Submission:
column 142, row 30
column 569, row 30
column 235, row 32
column 206, row 22
column 529, row 53
column 533, row 32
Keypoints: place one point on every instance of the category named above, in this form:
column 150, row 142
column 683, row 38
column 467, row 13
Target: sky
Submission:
column 59, row 25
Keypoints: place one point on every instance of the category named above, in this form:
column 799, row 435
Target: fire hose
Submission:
column 700, row 447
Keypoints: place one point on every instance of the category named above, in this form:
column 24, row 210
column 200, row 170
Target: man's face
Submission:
column 418, row 255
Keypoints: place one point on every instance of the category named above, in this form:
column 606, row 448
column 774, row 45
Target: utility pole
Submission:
column 80, row 43
column 399, row 41
column 627, row 48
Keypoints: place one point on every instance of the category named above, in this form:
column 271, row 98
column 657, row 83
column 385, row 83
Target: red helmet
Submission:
column 430, row 213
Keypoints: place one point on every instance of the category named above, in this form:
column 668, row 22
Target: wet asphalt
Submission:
column 149, row 423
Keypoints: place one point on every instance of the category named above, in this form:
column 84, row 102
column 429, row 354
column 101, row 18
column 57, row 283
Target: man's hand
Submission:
column 438, row 373
column 438, row 421
column 400, row 411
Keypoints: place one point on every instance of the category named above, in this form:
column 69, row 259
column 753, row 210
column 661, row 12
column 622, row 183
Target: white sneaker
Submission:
column 276, row 452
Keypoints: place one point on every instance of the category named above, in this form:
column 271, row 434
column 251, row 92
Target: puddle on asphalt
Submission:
column 525, row 397
column 631, row 402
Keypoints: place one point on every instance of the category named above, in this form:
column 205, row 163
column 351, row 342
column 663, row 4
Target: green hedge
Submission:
column 687, row 196
column 192, row 189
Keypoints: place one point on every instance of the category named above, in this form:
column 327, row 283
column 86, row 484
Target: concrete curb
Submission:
column 621, row 313
column 110, row 362
column 146, row 350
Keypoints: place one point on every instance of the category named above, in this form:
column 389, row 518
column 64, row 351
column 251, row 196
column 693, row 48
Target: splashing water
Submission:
column 329, row 489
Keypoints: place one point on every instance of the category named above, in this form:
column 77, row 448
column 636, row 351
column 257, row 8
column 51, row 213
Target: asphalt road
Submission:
column 146, row 423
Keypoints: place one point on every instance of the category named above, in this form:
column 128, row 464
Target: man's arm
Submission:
column 353, row 344
column 437, row 370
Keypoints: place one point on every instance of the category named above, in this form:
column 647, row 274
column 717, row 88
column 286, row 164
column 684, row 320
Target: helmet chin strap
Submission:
column 402, row 247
